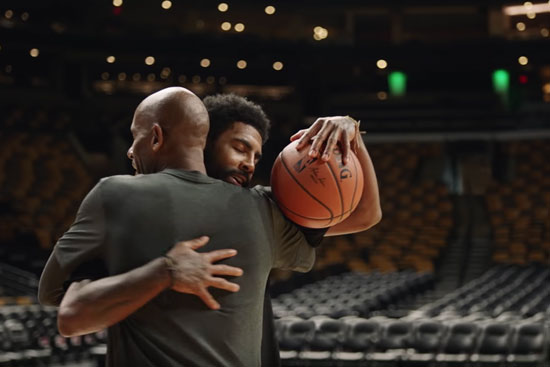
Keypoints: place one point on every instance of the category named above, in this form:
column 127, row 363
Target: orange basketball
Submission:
column 314, row 193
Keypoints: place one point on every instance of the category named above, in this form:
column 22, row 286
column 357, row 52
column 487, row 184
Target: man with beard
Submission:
column 238, row 130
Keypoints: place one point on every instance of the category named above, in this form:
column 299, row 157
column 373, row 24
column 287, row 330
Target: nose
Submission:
column 247, row 165
column 130, row 152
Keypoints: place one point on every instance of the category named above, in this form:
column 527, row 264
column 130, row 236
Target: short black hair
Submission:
column 226, row 109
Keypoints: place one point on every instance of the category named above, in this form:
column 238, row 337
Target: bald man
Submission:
column 130, row 223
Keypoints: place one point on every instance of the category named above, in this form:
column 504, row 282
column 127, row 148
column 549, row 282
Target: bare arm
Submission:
column 324, row 135
column 368, row 211
column 90, row 306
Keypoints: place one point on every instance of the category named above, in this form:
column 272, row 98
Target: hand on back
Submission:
column 193, row 272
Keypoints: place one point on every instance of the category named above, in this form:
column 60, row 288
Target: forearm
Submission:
column 368, row 211
column 90, row 306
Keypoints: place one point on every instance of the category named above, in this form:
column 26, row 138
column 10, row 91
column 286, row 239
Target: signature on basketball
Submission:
column 314, row 172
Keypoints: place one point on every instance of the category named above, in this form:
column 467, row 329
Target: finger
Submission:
column 345, row 144
column 298, row 135
column 309, row 134
column 222, row 283
column 331, row 144
column 218, row 255
column 221, row 269
column 319, row 141
column 197, row 242
column 208, row 299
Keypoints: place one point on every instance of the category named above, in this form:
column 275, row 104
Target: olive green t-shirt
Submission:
column 126, row 221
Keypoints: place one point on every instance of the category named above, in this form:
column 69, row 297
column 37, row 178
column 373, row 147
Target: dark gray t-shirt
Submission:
column 126, row 221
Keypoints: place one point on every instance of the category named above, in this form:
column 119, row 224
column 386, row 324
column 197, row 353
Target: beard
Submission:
column 228, row 173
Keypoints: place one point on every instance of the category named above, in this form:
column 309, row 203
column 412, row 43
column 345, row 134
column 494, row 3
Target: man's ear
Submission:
column 157, row 138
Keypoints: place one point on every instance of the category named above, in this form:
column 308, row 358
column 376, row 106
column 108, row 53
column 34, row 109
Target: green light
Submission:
column 501, row 81
column 397, row 83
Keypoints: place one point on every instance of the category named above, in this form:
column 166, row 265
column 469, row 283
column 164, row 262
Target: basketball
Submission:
column 314, row 193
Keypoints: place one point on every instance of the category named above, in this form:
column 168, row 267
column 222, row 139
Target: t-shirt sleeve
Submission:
column 81, row 244
column 314, row 236
column 292, row 251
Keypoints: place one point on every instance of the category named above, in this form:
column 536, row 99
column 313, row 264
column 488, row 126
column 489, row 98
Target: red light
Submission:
column 523, row 79
column 117, row 10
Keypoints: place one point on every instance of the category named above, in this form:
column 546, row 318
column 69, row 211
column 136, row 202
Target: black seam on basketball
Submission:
column 303, row 216
column 303, row 188
column 354, row 187
column 339, row 192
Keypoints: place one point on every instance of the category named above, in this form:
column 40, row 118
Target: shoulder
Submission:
column 262, row 191
column 129, row 182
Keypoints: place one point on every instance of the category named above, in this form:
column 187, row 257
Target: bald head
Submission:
column 170, row 129
column 178, row 111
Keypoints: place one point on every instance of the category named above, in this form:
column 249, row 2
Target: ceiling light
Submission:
column 522, row 10
column 269, row 10
column 205, row 63
column 381, row 64
column 166, row 4
column 226, row 26
column 121, row 76
column 8, row 14
column 117, row 2
column 320, row 33
column 223, row 7
column 239, row 27
column 277, row 65
column 382, row 95
column 241, row 64
column 520, row 26
column 111, row 59
column 523, row 60
column 34, row 52
column 149, row 60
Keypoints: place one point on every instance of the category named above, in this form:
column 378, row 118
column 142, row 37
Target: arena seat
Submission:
column 530, row 344
column 427, row 340
column 328, row 338
column 460, row 343
column 360, row 338
column 296, row 337
column 395, row 339
column 494, row 343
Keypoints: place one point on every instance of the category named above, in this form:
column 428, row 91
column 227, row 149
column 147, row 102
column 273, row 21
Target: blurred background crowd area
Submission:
column 455, row 100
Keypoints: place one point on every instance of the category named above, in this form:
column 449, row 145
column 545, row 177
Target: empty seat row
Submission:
column 427, row 340
column 504, row 288
column 351, row 294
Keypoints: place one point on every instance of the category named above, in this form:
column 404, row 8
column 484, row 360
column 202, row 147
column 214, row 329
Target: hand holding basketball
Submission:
column 315, row 193
column 325, row 133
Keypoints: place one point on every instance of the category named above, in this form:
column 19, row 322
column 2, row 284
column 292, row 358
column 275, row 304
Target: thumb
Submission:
column 198, row 242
